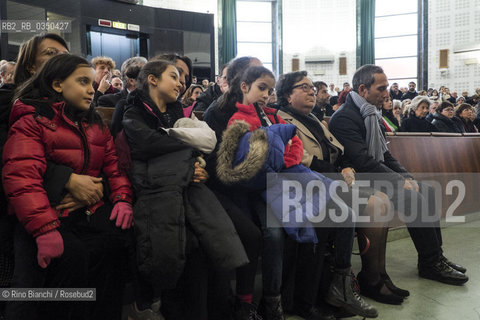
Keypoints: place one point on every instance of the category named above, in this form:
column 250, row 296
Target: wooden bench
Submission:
column 106, row 114
column 198, row 114
column 444, row 158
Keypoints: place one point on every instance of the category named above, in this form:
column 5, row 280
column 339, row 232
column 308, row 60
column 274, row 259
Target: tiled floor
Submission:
column 430, row 300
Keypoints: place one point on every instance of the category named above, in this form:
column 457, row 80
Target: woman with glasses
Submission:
column 324, row 154
column 466, row 114
column 444, row 119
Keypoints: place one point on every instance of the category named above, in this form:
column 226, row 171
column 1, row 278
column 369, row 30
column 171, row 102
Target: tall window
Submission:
column 255, row 25
column 396, row 40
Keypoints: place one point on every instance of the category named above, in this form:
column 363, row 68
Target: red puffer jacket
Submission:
column 34, row 139
column 293, row 152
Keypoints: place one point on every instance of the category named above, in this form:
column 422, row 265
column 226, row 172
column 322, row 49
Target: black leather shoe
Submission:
column 453, row 265
column 442, row 272
column 378, row 292
column 389, row 283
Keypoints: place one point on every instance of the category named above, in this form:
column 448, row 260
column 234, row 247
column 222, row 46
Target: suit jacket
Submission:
column 311, row 147
column 348, row 126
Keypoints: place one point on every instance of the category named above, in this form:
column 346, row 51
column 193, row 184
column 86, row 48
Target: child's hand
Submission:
column 86, row 189
column 50, row 246
column 200, row 174
column 122, row 212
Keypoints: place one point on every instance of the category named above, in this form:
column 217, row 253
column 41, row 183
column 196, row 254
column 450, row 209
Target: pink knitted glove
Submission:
column 50, row 246
column 123, row 212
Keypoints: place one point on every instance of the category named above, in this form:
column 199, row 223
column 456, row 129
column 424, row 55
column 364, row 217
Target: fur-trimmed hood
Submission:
column 246, row 157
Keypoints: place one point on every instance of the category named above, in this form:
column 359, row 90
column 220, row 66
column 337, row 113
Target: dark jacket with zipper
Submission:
column 168, row 202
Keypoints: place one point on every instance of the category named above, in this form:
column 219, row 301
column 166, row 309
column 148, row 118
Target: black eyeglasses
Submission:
column 306, row 87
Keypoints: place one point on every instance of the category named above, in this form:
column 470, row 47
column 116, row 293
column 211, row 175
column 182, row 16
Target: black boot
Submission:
column 271, row 308
column 246, row 311
column 341, row 294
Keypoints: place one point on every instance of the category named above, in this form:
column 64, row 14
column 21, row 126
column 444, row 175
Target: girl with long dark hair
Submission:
column 79, row 247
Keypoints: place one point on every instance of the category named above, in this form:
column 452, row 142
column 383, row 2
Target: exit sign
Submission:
column 104, row 23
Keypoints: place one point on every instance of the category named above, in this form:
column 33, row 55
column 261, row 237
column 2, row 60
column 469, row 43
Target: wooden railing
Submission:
column 444, row 158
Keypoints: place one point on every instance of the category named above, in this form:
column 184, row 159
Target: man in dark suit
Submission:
column 357, row 126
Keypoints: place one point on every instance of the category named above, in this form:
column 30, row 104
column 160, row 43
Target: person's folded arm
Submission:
column 146, row 142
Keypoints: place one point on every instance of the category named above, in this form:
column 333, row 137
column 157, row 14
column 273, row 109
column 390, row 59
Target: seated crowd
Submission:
column 405, row 109
column 161, row 209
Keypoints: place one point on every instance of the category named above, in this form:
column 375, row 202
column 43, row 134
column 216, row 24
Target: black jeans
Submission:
column 219, row 290
column 92, row 258
column 309, row 262
column 272, row 253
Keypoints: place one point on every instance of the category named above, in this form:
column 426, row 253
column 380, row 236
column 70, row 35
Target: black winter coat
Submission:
column 444, row 124
column 167, row 200
column 389, row 114
column 409, row 95
column 468, row 125
column 429, row 117
column 321, row 113
column 415, row 124
column 206, row 98
column 348, row 127
column 397, row 96
column 116, row 126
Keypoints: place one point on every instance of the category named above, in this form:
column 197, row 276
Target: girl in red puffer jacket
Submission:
column 52, row 121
